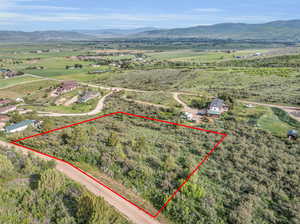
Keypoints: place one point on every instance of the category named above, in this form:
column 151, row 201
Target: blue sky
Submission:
column 29, row 15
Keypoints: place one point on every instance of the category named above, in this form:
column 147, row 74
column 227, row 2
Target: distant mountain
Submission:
column 115, row 32
column 277, row 30
column 37, row 36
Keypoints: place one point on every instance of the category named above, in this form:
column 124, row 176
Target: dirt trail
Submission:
column 134, row 214
column 294, row 112
column 290, row 110
column 186, row 108
column 97, row 110
column 145, row 103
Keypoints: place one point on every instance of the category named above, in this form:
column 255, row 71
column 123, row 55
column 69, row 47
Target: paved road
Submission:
column 134, row 214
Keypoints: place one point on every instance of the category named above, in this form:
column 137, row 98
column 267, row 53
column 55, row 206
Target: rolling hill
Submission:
column 277, row 30
column 40, row 36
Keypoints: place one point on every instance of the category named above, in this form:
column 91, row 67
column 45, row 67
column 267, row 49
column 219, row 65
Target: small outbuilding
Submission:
column 292, row 134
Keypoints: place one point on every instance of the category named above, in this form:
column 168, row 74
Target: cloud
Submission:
column 13, row 5
column 206, row 10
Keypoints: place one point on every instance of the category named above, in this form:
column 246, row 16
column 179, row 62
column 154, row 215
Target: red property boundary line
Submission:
column 96, row 180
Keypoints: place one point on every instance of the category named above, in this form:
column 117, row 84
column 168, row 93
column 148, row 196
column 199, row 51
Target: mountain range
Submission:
column 277, row 30
column 288, row 30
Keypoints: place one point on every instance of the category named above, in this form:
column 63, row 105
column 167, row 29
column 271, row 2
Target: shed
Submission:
column 292, row 134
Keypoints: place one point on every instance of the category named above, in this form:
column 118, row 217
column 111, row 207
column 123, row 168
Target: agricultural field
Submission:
column 5, row 83
column 27, row 90
column 203, row 56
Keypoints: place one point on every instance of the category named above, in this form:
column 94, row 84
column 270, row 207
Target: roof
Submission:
column 3, row 70
column 213, row 112
column 19, row 125
column 87, row 96
column 5, row 102
column 293, row 132
column 217, row 103
column 7, row 108
column 4, row 118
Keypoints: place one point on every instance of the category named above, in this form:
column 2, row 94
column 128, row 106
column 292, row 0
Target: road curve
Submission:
column 288, row 109
column 97, row 110
column 134, row 214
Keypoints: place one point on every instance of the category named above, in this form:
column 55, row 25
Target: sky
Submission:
column 31, row 15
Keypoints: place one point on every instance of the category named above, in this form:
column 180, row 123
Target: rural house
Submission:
column 216, row 107
column 11, row 74
column 3, row 120
column 88, row 96
column 5, row 110
column 21, row 126
column 65, row 87
column 5, row 102
column 3, row 70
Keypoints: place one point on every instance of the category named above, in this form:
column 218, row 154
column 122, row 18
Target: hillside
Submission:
column 115, row 32
column 277, row 30
column 19, row 36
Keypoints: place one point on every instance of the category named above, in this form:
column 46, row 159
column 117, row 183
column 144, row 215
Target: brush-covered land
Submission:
column 252, row 177
column 32, row 191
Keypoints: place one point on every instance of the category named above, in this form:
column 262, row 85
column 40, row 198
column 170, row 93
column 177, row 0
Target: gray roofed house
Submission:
column 20, row 126
column 88, row 96
column 216, row 107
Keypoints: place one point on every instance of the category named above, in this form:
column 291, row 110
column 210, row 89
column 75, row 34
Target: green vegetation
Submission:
column 277, row 61
column 153, row 159
column 162, row 98
column 269, row 121
column 15, row 81
column 252, row 177
column 32, row 191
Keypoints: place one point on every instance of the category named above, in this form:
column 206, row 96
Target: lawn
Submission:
column 270, row 122
column 4, row 83
column 27, row 90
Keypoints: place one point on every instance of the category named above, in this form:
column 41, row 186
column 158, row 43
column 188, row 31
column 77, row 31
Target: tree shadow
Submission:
column 34, row 181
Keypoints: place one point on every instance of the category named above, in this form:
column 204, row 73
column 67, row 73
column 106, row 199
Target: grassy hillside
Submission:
column 18, row 36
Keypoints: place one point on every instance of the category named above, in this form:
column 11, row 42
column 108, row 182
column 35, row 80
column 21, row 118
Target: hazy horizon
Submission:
column 39, row 15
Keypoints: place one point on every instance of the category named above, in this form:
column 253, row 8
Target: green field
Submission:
column 4, row 83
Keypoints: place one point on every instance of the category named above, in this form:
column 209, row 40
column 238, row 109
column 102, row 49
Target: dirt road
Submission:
column 97, row 110
column 294, row 112
column 186, row 108
column 127, row 209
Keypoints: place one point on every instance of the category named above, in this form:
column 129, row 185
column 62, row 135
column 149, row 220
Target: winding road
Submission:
column 290, row 110
column 97, row 110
